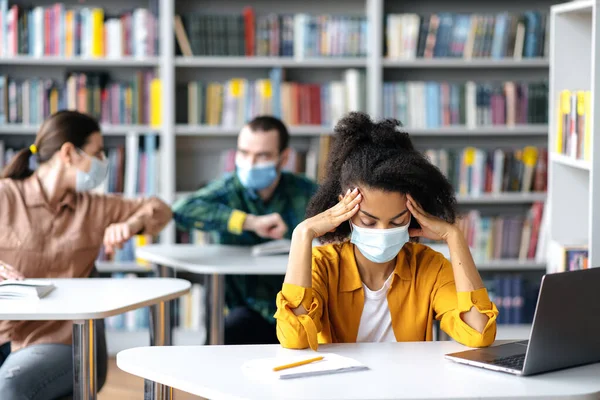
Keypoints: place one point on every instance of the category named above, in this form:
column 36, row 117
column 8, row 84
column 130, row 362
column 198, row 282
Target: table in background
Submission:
column 411, row 370
column 215, row 261
column 85, row 300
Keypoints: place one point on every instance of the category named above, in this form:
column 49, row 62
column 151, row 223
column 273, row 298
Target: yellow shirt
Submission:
column 422, row 289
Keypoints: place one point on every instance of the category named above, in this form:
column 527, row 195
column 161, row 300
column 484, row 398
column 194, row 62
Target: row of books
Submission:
column 515, row 297
column 83, row 31
column 298, row 35
column 438, row 104
column 473, row 171
column 503, row 35
column 574, row 126
column 189, row 312
column 30, row 101
column 235, row 101
column 134, row 169
column 499, row 237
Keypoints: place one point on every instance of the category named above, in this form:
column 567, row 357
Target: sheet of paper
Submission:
column 331, row 364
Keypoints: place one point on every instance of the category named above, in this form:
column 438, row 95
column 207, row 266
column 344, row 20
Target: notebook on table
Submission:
column 331, row 364
column 26, row 289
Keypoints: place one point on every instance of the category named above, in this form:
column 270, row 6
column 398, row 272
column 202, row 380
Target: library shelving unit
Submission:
column 189, row 153
column 574, row 179
column 198, row 147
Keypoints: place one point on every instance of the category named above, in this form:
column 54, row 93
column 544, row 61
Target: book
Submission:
column 272, row 248
column 27, row 289
column 466, row 36
column 330, row 364
column 248, row 33
column 433, row 105
column 55, row 30
column 233, row 102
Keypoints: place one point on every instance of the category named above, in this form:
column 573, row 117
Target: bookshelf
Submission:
column 269, row 62
column 123, row 62
column 110, row 130
column 189, row 153
column 472, row 63
column 573, row 179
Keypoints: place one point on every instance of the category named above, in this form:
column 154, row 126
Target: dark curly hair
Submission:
column 379, row 155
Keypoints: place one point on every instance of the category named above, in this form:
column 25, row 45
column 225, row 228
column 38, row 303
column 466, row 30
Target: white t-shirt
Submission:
column 376, row 321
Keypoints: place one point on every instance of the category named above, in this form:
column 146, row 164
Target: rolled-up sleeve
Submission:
column 300, row 331
column 450, row 305
column 153, row 213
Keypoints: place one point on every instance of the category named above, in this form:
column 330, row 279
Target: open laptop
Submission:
column 565, row 331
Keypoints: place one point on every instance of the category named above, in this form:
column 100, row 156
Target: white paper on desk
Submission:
column 331, row 364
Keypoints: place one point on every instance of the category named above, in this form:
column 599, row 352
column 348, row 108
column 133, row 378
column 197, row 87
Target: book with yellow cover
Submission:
column 155, row 103
column 98, row 32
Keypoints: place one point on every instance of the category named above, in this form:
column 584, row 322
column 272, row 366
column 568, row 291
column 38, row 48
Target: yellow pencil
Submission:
column 297, row 363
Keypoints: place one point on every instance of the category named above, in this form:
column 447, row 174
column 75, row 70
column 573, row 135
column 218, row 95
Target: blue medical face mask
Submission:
column 258, row 176
column 379, row 245
column 86, row 181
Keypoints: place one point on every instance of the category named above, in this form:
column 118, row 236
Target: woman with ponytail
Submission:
column 371, row 281
column 53, row 227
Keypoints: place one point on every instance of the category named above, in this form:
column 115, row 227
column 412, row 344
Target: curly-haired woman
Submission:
column 381, row 285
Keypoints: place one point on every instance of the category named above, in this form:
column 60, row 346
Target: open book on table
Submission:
column 330, row 364
column 26, row 289
column 273, row 247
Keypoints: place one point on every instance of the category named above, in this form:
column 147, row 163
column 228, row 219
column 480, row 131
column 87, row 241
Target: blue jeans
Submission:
column 45, row 371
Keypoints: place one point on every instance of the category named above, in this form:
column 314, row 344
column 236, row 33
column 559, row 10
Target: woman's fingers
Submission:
column 416, row 205
column 8, row 272
column 414, row 209
column 421, row 219
column 347, row 203
column 350, row 195
column 349, row 214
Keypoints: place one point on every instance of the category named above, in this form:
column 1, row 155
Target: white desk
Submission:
column 85, row 300
column 215, row 261
column 397, row 371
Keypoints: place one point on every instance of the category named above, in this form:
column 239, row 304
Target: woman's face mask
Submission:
column 86, row 181
column 379, row 245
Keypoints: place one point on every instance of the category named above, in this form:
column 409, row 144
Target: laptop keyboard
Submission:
column 512, row 362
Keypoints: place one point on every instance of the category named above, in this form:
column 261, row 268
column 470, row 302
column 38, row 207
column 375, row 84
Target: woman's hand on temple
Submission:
column 432, row 227
column 330, row 219
column 9, row 272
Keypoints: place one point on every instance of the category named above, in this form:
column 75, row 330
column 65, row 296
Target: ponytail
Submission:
column 18, row 168
column 58, row 129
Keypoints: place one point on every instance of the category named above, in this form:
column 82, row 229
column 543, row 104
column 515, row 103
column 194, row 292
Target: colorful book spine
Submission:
column 456, row 35
column 232, row 103
column 298, row 35
column 31, row 100
column 78, row 32
column 470, row 104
